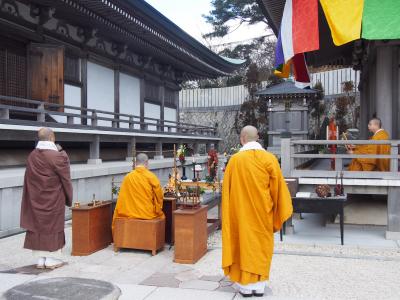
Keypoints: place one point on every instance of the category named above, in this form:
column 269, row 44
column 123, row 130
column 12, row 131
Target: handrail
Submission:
column 56, row 105
column 99, row 115
column 345, row 142
column 291, row 154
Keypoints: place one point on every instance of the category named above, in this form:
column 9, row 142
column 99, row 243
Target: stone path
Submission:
column 306, row 270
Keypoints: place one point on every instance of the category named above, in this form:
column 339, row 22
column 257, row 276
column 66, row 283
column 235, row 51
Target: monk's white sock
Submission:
column 51, row 262
column 41, row 262
column 258, row 287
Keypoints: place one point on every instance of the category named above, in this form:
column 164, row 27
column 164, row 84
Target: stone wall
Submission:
column 86, row 181
column 222, row 117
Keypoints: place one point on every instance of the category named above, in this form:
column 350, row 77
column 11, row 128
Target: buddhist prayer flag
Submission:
column 299, row 30
column 298, row 34
column 381, row 20
column 301, row 76
column 344, row 19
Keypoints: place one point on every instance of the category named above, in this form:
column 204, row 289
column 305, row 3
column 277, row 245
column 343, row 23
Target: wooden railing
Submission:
column 295, row 153
column 44, row 112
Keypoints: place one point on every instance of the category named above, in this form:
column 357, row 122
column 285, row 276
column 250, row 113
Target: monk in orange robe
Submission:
column 255, row 204
column 371, row 164
column 140, row 195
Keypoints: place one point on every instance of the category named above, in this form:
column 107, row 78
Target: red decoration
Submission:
column 212, row 163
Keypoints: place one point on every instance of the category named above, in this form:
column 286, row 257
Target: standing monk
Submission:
column 255, row 204
column 141, row 195
column 371, row 164
column 47, row 189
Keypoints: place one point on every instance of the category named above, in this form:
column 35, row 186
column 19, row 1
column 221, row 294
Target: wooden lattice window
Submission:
column 12, row 73
column 72, row 73
column 152, row 92
column 170, row 98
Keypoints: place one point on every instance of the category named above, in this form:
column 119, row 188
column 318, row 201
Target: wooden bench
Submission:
column 139, row 234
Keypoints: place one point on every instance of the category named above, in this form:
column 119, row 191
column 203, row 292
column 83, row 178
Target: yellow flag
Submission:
column 283, row 71
column 344, row 19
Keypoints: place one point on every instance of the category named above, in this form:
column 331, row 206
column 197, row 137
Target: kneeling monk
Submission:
column 141, row 195
column 255, row 203
column 372, row 164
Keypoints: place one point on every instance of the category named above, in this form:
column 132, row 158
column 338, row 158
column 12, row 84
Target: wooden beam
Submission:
column 84, row 87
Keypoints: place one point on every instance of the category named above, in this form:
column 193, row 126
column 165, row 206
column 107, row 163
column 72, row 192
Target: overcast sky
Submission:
column 187, row 14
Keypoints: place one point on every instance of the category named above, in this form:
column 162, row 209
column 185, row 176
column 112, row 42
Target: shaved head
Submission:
column 142, row 160
column 374, row 125
column 248, row 134
column 46, row 134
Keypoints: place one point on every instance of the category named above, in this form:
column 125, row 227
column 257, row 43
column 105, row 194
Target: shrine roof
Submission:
column 286, row 88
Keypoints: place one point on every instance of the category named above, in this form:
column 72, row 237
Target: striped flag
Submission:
column 299, row 29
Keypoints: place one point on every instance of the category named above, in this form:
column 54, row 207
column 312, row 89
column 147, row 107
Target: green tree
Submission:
column 241, row 11
column 228, row 15
column 317, row 108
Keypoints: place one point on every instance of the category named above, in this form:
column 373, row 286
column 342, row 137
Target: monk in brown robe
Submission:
column 255, row 203
column 141, row 195
column 371, row 164
column 47, row 189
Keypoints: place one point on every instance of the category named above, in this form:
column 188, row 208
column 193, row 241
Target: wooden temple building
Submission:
column 378, row 63
column 105, row 75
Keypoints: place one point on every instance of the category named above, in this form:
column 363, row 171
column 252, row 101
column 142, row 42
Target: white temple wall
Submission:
column 100, row 90
column 129, row 97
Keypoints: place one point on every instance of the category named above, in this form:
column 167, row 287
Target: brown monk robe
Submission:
column 372, row 164
column 47, row 189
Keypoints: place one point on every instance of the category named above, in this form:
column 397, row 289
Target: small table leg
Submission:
column 341, row 226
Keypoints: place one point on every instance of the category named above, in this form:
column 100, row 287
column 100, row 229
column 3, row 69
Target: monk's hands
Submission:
column 350, row 148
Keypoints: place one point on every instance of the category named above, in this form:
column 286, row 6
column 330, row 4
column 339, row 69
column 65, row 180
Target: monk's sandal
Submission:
column 245, row 293
column 258, row 293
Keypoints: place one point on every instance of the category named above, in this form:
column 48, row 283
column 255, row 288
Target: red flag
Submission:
column 300, row 71
column 305, row 31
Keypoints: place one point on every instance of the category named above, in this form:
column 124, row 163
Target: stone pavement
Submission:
column 367, row 267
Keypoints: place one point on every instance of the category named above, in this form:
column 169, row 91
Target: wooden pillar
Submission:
column 84, row 89
column 142, row 96
column 116, row 97
column 384, row 89
column 159, row 150
column 131, row 147
column 364, row 105
column 196, row 148
column 162, row 98
column 94, row 158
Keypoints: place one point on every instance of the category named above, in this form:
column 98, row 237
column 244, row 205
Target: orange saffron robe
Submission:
column 140, row 196
column 372, row 164
column 255, row 203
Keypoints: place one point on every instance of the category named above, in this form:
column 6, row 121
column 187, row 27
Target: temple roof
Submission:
column 146, row 31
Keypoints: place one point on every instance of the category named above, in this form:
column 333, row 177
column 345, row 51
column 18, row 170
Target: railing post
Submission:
column 394, row 162
column 286, row 159
column 338, row 164
column 131, row 125
column 114, row 124
column 131, row 148
column 94, row 158
column 41, row 117
column 70, row 120
column 159, row 150
column 94, row 118
column 4, row 113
